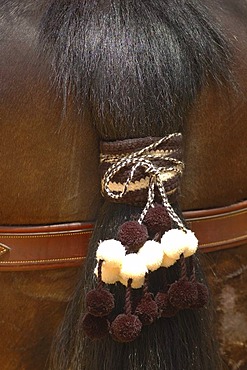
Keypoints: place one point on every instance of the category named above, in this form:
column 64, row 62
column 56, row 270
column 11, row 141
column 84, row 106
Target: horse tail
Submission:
column 139, row 66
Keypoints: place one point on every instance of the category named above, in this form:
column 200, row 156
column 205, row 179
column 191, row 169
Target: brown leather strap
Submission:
column 219, row 228
column 64, row 245
column 43, row 247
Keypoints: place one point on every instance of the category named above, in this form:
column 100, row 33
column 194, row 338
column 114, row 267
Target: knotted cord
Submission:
column 143, row 158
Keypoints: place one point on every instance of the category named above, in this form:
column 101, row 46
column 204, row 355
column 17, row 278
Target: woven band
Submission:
column 128, row 167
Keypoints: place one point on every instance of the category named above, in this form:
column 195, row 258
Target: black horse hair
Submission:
column 139, row 66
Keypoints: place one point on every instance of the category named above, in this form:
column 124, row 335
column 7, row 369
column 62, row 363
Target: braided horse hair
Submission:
column 138, row 65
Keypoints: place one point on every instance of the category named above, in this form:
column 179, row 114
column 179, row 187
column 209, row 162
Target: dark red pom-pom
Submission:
column 126, row 328
column 166, row 309
column 132, row 235
column 203, row 295
column 147, row 309
column 95, row 327
column 100, row 302
column 157, row 220
column 183, row 294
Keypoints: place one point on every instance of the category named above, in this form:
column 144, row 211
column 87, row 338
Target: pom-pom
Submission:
column 157, row 220
column 203, row 296
column 132, row 235
column 99, row 302
column 191, row 244
column 112, row 252
column 183, row 294
column 147, row 309
column 167, row 261
column 166, row 309
column 95, row 327
column 174, row 243
column 126, row 328
column 133, row 267
column 152, row 254
column 109, row 275
column 135, row 284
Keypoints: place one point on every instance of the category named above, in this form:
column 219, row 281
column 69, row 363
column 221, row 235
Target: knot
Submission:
column 126, row 171
column 136, row 177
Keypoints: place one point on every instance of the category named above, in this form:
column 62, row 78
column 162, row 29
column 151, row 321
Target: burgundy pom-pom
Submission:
column 95, row 327
column 132, row 235
column 126, row 328
column 147, row 309
column 99, row 302
column 183, row 294
column 157, row 220
column 166, row 309
column 203, row 295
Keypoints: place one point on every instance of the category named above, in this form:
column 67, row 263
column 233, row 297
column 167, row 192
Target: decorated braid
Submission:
column 147, row 175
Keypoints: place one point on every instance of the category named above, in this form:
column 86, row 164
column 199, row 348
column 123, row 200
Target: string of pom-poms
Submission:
column 157, row 240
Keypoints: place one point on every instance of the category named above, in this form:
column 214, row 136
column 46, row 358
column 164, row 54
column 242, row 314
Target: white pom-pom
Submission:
column 136, row 283
column 110, row 275
column 174, row 243
column 167, row 261
column 152, row 254
column 111, row 251
column 191, row 244
column 133, row 267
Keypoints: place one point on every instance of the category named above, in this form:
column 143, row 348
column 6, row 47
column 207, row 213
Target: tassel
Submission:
column 95, row 327
column 147, row 309
column 183, row 293
column 202, row 289
column 126, row 327
column 99, row 302
column 144, row 246
column 166, row 309
column 132, row 235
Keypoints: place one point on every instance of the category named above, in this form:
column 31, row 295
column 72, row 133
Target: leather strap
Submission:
column 65, row 245
column 43, row 247
column 219, row 228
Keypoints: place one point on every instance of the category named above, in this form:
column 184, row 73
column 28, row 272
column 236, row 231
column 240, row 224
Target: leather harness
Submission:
column 65, row 245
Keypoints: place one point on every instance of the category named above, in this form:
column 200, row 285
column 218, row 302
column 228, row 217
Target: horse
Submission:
column 50, row 155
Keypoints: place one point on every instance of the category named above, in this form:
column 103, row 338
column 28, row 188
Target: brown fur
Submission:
column 216, row 136
column 48, row 164
column 227, row 276
column 32, row 305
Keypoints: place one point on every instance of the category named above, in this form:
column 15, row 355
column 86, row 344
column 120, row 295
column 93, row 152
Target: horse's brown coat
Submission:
column 31, row 306
column 227, row 276
column 49, row 174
